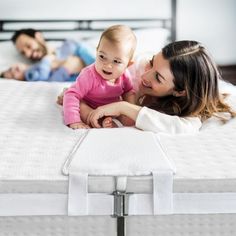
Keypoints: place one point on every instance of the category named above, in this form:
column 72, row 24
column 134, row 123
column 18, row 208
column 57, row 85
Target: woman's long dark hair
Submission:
column 195, row 72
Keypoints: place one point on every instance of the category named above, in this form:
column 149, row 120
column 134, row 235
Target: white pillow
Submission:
column 9, row 55
column 148, row 40
column 151, row 40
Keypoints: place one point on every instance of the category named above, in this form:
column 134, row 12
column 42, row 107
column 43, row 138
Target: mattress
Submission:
column 34, row 145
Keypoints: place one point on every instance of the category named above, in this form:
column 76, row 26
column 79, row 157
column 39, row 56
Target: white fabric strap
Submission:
column 35, row 204
column 162, row 192
column 19, row 204
column 140, row 204
column 121, row 183
column 204, row 203
column 78, row 194
column 186, row 203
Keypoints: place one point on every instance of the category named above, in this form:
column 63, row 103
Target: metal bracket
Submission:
column 121, row 203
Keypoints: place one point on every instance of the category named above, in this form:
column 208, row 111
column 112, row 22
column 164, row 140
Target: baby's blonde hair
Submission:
column 120, row 34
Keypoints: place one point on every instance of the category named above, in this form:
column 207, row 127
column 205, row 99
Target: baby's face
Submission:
column 112, row 59
column 16, row 72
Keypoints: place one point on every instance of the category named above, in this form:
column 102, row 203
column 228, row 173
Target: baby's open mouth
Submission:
column 106, row 72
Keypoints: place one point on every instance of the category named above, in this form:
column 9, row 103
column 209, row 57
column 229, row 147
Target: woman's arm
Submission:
column 147, row 119
column 151, row 120
column 114, row 109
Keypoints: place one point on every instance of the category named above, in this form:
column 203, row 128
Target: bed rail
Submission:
column 59, row 29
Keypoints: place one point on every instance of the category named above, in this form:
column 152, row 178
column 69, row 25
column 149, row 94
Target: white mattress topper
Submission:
column 35, row 143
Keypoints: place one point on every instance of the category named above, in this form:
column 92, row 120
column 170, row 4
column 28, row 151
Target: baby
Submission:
column 105, row 81
column 16, row 72
column 48, row 69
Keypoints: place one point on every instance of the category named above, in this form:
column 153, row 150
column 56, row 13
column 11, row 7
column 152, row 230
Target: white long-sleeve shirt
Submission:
column 151, row 120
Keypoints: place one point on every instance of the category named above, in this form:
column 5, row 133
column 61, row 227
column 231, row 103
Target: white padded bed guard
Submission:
column 118, row 152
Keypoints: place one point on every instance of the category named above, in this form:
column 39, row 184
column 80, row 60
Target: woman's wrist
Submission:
column 128, row 109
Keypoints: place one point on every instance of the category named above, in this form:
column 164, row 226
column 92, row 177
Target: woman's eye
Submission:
column 101, row 57
column 151, row 63
column 157, row 78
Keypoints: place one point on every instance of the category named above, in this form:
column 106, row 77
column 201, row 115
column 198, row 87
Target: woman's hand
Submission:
column 112, row 109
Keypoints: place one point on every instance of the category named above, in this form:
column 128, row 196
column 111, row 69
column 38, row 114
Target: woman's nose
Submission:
column 146, row 75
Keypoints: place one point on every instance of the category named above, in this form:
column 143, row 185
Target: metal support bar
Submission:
column 121, row 226
column 121, row 204
column 173, row 19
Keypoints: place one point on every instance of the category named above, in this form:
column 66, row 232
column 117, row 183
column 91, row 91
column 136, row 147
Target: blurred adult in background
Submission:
column 74, row 55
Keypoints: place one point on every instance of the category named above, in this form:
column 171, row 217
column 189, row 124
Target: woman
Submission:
column 178, row 90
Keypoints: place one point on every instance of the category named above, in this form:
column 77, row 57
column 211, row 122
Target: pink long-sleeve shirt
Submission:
column 94, row 90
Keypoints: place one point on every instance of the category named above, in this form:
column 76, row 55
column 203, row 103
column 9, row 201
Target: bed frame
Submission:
column 56, row 29
column 84, row 27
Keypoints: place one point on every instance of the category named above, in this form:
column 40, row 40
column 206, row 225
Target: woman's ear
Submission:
column 179, row 93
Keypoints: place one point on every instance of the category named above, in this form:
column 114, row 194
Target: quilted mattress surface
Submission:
column 34, row 144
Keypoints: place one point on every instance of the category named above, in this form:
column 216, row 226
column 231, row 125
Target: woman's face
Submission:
column 158, row 79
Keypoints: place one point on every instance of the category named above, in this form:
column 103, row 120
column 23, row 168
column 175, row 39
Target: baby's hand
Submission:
column 49, row 57
column 73, row 64
column 54, row 62
column 79, row 125
column 108, row 123
column 60, row 97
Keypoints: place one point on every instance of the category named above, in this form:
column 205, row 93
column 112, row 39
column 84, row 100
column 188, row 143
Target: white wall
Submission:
column 212, row 22
column 83, row 9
